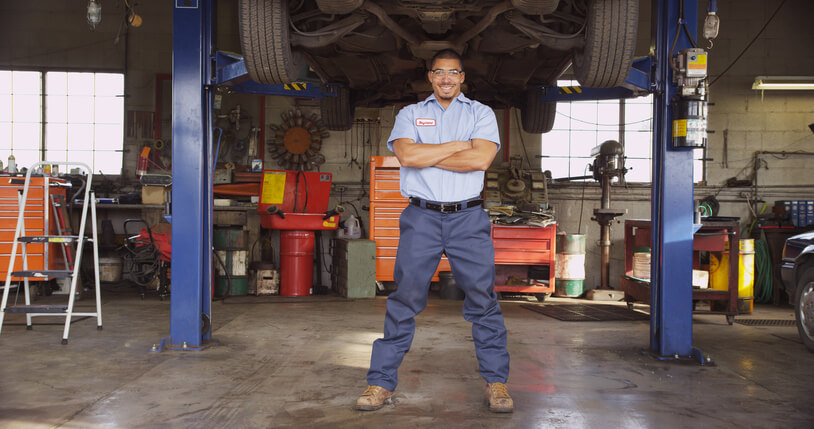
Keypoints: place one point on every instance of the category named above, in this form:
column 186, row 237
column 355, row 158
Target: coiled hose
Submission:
column 763, row 272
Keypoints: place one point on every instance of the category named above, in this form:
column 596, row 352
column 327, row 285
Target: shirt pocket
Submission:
column 427, row 134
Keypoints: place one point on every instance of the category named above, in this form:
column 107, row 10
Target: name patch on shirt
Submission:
column 425, row 122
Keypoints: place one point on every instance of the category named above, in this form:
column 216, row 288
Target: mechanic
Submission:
column 444, row 145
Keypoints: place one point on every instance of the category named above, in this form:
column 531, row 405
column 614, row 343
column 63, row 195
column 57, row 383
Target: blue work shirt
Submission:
column 427, row 122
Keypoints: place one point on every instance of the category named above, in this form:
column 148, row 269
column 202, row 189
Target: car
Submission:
column 374, row 53
column 797, row 272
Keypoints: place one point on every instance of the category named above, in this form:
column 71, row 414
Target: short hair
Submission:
column 447, row 54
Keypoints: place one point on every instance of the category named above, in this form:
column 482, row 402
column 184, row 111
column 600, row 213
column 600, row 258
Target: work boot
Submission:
column 498, row 397
column 374, row 398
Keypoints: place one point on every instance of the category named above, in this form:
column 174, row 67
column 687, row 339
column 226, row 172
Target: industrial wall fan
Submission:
column 297, row 141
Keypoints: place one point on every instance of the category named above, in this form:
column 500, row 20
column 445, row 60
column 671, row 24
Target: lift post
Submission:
column 190, row 302
column 672, row 193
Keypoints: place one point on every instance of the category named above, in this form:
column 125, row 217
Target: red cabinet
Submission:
column 516, row 247
column 519, row 247
column 712, row 236
column 386, row 205
column 39, row 220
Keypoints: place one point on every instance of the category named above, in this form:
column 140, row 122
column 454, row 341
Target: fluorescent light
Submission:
column 784, row 83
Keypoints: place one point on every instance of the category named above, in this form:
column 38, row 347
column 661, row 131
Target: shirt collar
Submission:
column 461, row 97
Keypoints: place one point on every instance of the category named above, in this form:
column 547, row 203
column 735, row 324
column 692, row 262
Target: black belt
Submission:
column 446, row 207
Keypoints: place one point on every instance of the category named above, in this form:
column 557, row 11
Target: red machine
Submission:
column 296, row 202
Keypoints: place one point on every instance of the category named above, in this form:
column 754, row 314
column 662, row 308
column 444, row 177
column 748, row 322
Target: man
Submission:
column 444, row 144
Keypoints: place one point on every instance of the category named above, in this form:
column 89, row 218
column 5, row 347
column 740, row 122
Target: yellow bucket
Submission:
column 719, row 273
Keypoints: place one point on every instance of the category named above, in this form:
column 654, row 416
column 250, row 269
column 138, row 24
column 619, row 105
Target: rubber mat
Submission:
column 587, row 313
column 765, row 322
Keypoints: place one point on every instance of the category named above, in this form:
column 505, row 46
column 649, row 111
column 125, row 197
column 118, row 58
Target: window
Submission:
column 581, row 125
column 63, row 116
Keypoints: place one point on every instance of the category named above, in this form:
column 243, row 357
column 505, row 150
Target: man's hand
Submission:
column 420, row 155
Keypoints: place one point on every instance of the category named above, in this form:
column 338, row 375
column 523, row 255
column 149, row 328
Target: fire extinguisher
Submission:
column 143, row 161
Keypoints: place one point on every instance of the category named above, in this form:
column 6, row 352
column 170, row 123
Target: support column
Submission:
column 672, row 195
column 190, row 305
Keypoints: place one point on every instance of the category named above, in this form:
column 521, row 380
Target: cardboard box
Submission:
column 154, row 194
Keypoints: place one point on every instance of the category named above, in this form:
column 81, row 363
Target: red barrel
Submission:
column 296, row 262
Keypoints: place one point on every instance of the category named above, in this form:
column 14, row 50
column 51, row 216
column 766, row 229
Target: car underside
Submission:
column 375, row 53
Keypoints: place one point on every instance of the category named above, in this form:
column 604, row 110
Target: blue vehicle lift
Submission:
column 231, row 70
column 192, row 97
column 671, row 201
column 637, row 84
column 193, row 81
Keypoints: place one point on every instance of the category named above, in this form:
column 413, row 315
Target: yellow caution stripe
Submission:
column 296, row 86
column 570, row 90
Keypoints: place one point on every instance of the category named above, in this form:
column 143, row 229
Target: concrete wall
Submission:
column 752, row 121
column 54, row 34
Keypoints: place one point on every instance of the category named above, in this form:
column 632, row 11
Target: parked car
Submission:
column 373, row 53
column 797, row 271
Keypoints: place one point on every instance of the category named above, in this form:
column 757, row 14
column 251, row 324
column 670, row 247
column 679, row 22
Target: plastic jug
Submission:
column 352, row 227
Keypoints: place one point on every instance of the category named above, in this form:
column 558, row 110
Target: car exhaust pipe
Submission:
column 390, row 24
column 485, row 22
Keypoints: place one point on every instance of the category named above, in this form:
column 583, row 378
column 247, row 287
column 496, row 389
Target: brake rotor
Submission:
column 297, row 141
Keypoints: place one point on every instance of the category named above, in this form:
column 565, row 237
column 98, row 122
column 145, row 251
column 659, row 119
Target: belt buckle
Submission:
column 450, row 208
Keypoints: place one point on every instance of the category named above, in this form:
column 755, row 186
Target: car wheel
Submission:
column 804, row 308
column 537, row 116
column 335, row 108
column 610, row 42
column 267, row 53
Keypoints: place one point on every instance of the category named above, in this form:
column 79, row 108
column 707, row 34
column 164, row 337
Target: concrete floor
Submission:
column 301, row 363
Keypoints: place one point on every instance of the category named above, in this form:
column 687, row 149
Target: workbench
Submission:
column 713, row 235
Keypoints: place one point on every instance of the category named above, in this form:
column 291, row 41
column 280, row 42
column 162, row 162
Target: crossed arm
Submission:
column 460, row 156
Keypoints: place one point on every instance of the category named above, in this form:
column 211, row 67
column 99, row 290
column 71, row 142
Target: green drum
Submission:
column 230, row 239
column 569, row 275
column 236, row 266
column 231, row 246
column 240, row 286
column 569, row 288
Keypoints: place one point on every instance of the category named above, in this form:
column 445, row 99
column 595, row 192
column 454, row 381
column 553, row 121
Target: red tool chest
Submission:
column 516, row 247
column 39, row 220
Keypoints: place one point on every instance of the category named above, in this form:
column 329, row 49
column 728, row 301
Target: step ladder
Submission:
column 60, row 212
column 20, row 236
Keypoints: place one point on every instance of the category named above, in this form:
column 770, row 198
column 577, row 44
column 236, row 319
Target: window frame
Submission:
column 96, row 157
column 599, row 124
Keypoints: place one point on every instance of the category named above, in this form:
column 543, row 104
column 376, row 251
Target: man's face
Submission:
column 446, row 85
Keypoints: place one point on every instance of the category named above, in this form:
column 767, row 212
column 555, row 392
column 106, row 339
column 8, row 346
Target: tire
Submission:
column 537, row 116
column 336, row 111
column 610, row 42
column 263, row 27
column 541, row 296
column 804, row 308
